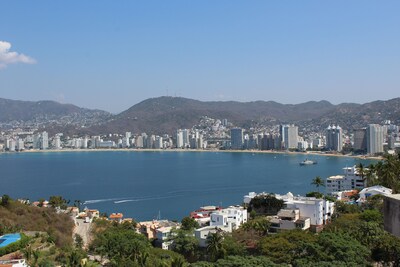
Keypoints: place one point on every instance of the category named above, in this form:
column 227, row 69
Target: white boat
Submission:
column 308, row 162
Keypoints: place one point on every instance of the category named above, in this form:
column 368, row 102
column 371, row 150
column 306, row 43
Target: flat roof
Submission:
column 336, row 177
column 395, row 196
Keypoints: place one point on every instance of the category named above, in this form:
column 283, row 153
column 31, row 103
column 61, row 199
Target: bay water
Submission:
column 146, row 185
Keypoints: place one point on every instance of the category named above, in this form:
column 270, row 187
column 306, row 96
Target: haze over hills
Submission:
column 166, row 114
column 44, row 112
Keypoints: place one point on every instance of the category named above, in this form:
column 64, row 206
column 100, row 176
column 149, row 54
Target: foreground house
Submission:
column 372, row 191
column 317, row 209
column 289, row 219
column 160, row 230
column 224, row 220
column 230, row 218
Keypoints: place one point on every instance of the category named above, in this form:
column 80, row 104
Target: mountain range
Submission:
column 166, row 114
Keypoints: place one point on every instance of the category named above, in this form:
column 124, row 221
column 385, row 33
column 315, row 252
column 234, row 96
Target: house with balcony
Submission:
column 289, row 219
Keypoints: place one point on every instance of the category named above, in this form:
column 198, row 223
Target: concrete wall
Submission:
column 391, row 213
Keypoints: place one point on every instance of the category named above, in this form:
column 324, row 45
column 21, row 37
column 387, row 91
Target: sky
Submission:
column 111, row 55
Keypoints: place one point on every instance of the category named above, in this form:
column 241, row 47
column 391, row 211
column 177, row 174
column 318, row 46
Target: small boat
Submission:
column 308, row 162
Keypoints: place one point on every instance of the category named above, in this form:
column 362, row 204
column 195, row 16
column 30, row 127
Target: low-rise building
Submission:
column 116, row 217
column 289, row 219
column 345, row 195
column 230, row 218
column 161, row 230
column 348, row 181
column 372, row 191
column 318, row 210
column 201, row 234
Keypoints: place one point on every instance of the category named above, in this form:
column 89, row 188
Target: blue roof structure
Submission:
column 5, row 240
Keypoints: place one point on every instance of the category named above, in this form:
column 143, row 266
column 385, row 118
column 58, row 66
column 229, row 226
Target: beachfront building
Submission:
column 372, row 191
column 334, row 140
column 289, row 219
column 348, row 181
column 375, row 139
column 289, row 136
column 237, row 138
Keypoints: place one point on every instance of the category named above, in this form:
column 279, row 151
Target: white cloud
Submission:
column 7, row 57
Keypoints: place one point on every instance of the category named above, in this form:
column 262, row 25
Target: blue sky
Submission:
column 114, row 54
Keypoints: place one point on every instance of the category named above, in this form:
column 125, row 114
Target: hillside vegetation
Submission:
column 16, row 217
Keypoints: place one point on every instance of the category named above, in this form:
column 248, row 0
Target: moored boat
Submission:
column 308, row 162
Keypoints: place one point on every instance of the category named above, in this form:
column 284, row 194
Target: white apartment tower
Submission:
column 289, row 136
column 44, row 141
column 374, row 139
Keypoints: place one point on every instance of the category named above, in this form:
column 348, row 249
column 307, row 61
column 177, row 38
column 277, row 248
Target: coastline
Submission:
column 312, row 153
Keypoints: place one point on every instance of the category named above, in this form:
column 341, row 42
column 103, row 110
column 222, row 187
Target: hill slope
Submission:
column 48, row 111
column 166, row 114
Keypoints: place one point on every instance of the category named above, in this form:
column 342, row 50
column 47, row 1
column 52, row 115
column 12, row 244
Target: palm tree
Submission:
column 214, row 245
column 361, row 170
column 317, row 181
column 371, row 174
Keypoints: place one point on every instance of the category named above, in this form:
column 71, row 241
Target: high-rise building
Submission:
column 186, row 139
column 179, row 139
column 57, row 142
column 236, row 138
column 374, row 139
column 334, row 140
column 44, row 141
column 139, row 142
column 360, row 140
column 289, row 136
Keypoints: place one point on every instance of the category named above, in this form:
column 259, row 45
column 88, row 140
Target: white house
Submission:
column 318, row 210
column 201, row 234
column 372, row 191
column 348, row 181
column 230, row 218
column 163, row 235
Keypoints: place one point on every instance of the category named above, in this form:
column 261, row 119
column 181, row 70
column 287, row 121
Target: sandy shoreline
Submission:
column 311, row 153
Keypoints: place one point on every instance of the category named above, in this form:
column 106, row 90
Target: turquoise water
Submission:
column 143, row 184
column 8, row 239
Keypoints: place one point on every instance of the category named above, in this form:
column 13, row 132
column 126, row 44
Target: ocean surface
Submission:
column 144, row 184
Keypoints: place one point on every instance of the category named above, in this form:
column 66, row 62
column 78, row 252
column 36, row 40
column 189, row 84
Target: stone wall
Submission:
column 391, row 213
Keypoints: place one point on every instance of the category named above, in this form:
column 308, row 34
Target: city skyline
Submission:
column 111, row 56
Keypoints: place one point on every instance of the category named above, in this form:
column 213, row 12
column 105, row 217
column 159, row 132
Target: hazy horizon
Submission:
column 112, row 55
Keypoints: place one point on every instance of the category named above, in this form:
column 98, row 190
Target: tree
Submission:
column 58, row 202
column 5, row 200
column 78, row 241
column 186, row 244
column 214, row 245
column 318, row 181
column 123, row 247
column 189, row 224
column 361, row 170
